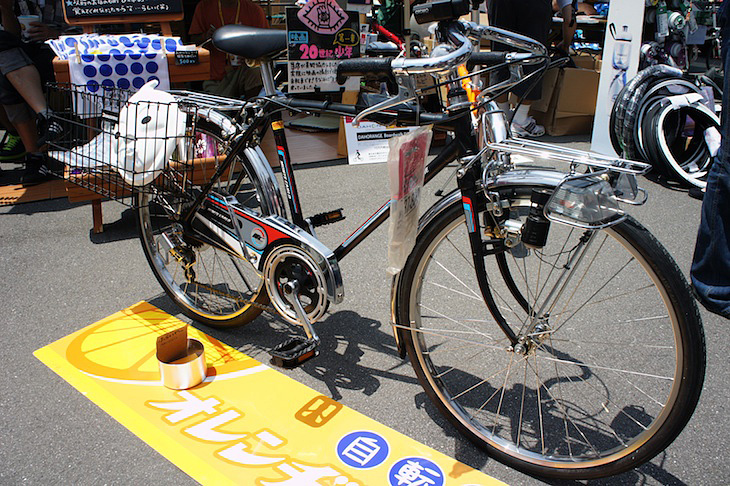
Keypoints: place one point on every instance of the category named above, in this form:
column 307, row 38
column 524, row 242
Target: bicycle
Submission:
column 548, row 326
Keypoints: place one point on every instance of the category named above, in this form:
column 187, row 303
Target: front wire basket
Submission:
column 118, row 145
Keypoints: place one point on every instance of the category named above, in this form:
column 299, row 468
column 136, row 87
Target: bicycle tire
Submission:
column 233, row 292
column 658, row 89
column 683, row 153
column 589, row 420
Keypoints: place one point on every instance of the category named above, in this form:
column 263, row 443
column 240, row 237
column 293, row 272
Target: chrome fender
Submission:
column 516, row 178
column 263, row 175
column 265, row 181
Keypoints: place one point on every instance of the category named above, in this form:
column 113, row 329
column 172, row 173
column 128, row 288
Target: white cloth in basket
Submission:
column 99, row 152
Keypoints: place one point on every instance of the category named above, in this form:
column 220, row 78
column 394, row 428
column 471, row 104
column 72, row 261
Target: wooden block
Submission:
column 97, row 217
column 88, row 187
column 178, row 74
column 201, row 170
column 349, row 98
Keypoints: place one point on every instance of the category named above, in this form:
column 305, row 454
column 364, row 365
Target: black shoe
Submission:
column 696, row 193
column 49, row 130
column 36, row 170
column 12, row 148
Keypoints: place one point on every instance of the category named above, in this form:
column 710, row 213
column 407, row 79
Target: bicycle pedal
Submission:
column 293, row 352
column 329, row 217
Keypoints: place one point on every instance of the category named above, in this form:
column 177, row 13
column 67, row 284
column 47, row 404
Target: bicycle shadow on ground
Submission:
column 44, row 206
column 653, row 470
column 667, row 182
column 468, row 453
column 345, row 338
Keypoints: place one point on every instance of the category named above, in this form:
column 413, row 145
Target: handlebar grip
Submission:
column 377, row 67
column 485, row 59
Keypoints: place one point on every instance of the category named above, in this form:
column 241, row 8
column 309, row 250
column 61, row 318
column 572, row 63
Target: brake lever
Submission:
column 406, row 93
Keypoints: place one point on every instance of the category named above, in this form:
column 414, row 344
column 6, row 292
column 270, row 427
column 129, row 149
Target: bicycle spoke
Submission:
column 458, row 280
column 475, row 331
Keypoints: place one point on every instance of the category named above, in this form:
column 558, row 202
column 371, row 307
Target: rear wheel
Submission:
column 209, row 284
column 605, row 379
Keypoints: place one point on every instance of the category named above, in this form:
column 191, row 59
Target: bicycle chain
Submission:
column 263, row 307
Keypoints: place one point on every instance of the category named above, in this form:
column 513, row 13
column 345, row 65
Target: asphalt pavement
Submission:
column 59, row 277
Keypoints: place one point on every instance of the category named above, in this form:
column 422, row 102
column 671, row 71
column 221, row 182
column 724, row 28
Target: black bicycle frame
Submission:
column 463, row 144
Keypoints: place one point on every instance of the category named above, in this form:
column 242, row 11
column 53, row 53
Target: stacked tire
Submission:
column 662, row 118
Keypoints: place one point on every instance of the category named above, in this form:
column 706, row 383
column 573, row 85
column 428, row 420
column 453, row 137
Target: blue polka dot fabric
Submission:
column 68, row 46
column 103, row 63
column 100, row 72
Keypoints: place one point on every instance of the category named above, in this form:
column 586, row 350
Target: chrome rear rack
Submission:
column 574, row 157
column 204, row 100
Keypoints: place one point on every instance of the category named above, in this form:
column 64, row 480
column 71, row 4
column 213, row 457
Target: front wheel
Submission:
column 611, row 363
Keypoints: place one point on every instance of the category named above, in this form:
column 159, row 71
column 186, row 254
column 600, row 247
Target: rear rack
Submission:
column 204, row 100
column 574, row 157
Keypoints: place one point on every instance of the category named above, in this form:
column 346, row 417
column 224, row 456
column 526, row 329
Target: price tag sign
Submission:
column 185, row 57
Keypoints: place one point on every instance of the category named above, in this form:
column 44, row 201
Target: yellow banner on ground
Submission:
column 246, row 423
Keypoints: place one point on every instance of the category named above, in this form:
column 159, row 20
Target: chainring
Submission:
column 286, row 263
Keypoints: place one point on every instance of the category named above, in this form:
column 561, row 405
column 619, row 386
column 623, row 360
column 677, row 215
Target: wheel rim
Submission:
column 574, row 402
column 224, row 287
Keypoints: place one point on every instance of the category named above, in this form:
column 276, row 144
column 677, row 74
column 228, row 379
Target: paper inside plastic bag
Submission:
column 406, row 162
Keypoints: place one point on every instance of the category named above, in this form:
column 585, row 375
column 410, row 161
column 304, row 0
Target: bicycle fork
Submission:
column 468, row 183
column 519, row 343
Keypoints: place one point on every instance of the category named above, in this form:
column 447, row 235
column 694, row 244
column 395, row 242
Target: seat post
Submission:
column 267, row 77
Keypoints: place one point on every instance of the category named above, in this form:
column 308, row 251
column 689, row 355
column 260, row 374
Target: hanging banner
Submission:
column 621, row 51
column 320, row 34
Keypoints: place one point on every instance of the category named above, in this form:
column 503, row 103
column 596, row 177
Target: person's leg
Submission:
column 533, row 22
column 22, row 77
column 27, row 81
column 500, row 14
column 27, row 130
column 24, row 120
column 710, row 272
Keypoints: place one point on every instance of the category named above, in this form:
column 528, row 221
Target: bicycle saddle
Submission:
column 249, row 42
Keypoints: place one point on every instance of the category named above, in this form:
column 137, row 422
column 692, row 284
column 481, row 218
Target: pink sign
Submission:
column 323, row 16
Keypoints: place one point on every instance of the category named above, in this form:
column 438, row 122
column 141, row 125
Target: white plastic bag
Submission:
column 150, row 125
column 406, row 162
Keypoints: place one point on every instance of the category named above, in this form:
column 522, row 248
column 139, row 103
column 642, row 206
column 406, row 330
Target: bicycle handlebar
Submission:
column 459, row 34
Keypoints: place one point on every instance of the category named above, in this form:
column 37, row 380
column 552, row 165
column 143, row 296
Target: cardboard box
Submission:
column 584, row 61
column 568, row 101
